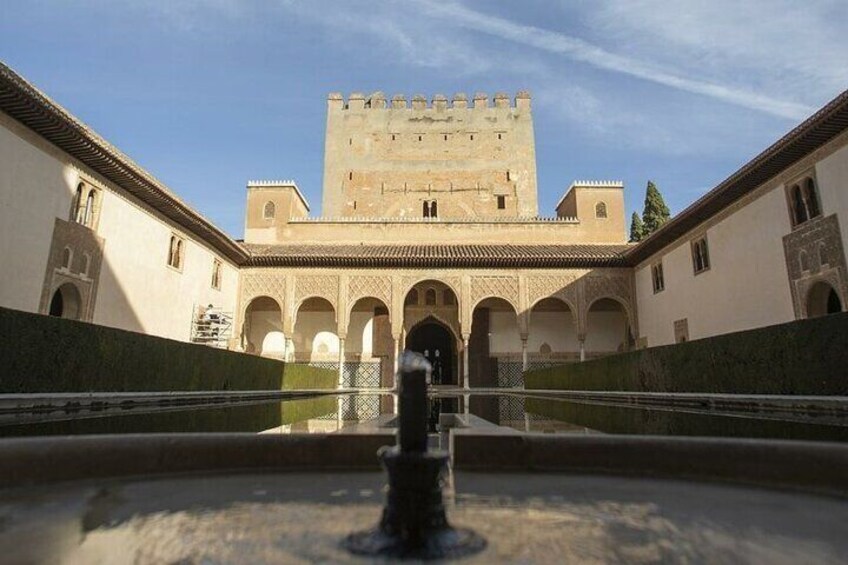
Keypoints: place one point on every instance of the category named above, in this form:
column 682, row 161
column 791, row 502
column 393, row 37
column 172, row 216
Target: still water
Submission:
column 327, row 414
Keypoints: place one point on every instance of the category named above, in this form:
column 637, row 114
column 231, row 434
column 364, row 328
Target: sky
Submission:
column 208, row 94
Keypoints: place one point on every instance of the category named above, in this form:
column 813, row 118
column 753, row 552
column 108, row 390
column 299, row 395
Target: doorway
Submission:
column 434, row 340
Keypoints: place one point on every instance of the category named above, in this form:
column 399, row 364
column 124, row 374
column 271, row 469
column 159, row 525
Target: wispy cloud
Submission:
column 583, row 51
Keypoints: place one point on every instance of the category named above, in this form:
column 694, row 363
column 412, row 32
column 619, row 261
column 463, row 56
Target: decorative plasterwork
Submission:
column 814, row 253
column 361, row 286
column 505, row 287
column 324, row 286
column 262, row 283
column 453, row 281
column 556, row 286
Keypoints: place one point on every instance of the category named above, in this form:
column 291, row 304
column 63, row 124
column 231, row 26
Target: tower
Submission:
column 445, row 159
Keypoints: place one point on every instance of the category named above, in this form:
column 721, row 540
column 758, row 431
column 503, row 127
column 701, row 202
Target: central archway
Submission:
column 434, row 340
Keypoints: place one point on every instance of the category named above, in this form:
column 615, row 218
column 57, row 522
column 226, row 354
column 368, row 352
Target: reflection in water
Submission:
column 331, row 413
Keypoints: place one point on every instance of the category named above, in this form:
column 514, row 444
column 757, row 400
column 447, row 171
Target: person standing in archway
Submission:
column 437, row 368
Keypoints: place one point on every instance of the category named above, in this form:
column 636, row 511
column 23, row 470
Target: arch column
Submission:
column 581, row 338
column 466, row 384
column 341, row 360
column 524, row 359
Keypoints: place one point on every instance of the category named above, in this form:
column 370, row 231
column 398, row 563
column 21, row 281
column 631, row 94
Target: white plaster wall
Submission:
column 605, row 331
column 266, row 332
column 360, row 335
column 35, row 189
column 503, row 334
column 746, row 287
column 557, row 329
column 138, row 290
column 832, row 177
column 312, row 330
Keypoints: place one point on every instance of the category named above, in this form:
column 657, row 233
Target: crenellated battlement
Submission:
column 439, row 102
column 597, row 184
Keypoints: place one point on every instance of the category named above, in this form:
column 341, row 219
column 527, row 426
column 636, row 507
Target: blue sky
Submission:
column 207, row 94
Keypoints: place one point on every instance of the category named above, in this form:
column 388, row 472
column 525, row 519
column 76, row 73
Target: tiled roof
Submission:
column 34, row 109
column 437, row 256
column 813, row 133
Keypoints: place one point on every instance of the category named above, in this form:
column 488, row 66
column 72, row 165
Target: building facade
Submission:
column 430, row 240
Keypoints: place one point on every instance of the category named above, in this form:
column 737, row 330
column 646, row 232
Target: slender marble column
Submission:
column 524, row 362
column 465, row 371
column 341, row 362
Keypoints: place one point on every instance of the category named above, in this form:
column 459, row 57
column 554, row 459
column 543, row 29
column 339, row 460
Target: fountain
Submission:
column 414, row 523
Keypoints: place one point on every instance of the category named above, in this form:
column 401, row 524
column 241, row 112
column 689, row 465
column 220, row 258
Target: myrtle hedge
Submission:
column 43, row 354
column 806, row 357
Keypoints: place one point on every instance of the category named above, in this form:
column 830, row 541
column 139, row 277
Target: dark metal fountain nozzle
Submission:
column 414, row 523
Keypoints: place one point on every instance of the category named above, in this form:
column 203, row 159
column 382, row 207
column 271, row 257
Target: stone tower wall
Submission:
column 386, row 158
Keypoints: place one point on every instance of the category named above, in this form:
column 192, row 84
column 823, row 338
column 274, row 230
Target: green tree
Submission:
column 637, row 228
column 656, row 213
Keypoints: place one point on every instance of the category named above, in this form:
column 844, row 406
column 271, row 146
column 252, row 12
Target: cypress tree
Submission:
column 637, row 228
column 656, row 213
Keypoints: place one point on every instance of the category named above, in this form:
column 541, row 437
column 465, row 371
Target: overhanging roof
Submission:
column 35, row 110
column 813, row 133
column 437, row 256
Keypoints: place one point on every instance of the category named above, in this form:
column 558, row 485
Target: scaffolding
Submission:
column 211, row 326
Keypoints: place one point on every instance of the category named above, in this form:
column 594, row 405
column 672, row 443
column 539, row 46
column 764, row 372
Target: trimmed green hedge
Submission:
column 46, row 354
column 802, row 357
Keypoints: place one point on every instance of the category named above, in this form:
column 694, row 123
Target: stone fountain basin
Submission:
column 228, row 498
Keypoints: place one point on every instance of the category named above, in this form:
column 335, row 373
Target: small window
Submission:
column 394, row 137
column 657, row 277
column 350, row 176
column 508, row 176
column 175, row 252
column 799, row 211
column 700, row 255
column 811, row 199
column 472, row 137
column 803, row 201
column 67, row 257
column 601, row 210
column 501, row 202
column 88, row 219
column 430, row 209
column 78, row 206
column 350, row 141
column 430, row 297
column 419, row 138
column 354, row 204
column 446, row 137
column 86, row 264
column 500, row 136
column 269, row 211
column 216, row 274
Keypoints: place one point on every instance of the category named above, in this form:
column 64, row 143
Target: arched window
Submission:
column 601, row 210
column 425, row 211
column 86, row 264
column 88, row 218
column 434, row 210
column 811, row 199
column 67, row 256
column 700, row 255
column 77, row 212
column 269, row 211
column 799, row 211
column 216, row 274
column 175, row 252
column 430, row 297
column 411, row 298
